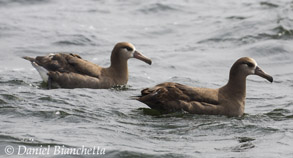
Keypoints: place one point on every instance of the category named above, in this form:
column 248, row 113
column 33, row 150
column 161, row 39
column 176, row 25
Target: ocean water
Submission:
column 193, row 42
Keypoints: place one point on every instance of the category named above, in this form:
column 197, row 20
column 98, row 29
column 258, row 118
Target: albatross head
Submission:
column 126, row 51
column 248, row 66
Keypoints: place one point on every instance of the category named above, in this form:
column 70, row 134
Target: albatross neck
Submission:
column 236, row 86
column 119, row 69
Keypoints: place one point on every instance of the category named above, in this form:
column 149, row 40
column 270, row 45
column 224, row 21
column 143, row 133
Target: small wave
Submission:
column 243, row 146
column 104, row 11
column 133, row 153
column 279, row 32
column 50, row 114
column 3, row 102
column 245, row 139
column 13, row 82
column 8, row 110
column 9, row 138
column 156, row 8
column 9, row 97
column 228, row 39
column 121, row 87
column 280, row 114
column 8, row 30
column 78, row 40
column 269, row 4
column 5, row 3
column 237, row 17
column 282, row 33
column 184, row 80
column 159, row 31
column 278, row 53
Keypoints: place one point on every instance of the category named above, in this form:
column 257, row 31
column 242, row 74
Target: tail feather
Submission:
column 135, row 97
column 42, row 71
column 29, row 58
column 144, row 92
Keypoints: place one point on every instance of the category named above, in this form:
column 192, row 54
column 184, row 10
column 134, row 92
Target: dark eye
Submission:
column 250, row 64
column 128, row 48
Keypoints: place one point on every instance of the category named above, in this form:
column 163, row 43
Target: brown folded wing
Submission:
column 68, row 63
column 170, row 97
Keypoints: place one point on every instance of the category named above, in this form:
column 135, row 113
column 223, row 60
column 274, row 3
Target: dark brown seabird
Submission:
column 71, row 71
column 228, row 100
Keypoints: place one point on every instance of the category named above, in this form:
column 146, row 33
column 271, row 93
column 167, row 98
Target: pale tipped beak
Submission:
column 141, row 57
column 261, row 73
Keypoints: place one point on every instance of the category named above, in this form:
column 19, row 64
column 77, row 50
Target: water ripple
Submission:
column 156, row 8
column 78, row 40
column 21, row 2
column 280, row 114
column 269, row 4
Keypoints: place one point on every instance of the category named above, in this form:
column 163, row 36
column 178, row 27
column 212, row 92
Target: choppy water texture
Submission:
column 191, row 42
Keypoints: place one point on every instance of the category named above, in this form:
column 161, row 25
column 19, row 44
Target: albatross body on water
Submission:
column 71, row 71
column 228, row 100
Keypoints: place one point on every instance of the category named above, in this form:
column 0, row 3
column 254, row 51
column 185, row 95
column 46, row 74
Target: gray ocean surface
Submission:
column 193, row 42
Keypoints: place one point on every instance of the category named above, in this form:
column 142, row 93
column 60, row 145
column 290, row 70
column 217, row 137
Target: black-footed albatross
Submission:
column 228, row 100
column 71, row 71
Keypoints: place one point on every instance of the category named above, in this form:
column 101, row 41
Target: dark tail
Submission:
column 134, row 97
column 143, row 93
column 29, row 58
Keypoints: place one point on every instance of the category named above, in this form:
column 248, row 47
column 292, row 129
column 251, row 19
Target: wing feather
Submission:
column 169, row 97
column 75, row 80
column 62, row 62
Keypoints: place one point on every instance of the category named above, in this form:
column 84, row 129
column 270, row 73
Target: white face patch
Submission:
column 254, row 67
column 132, row 54
column 51, row 55
column 249, row 67
column 128, row 53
